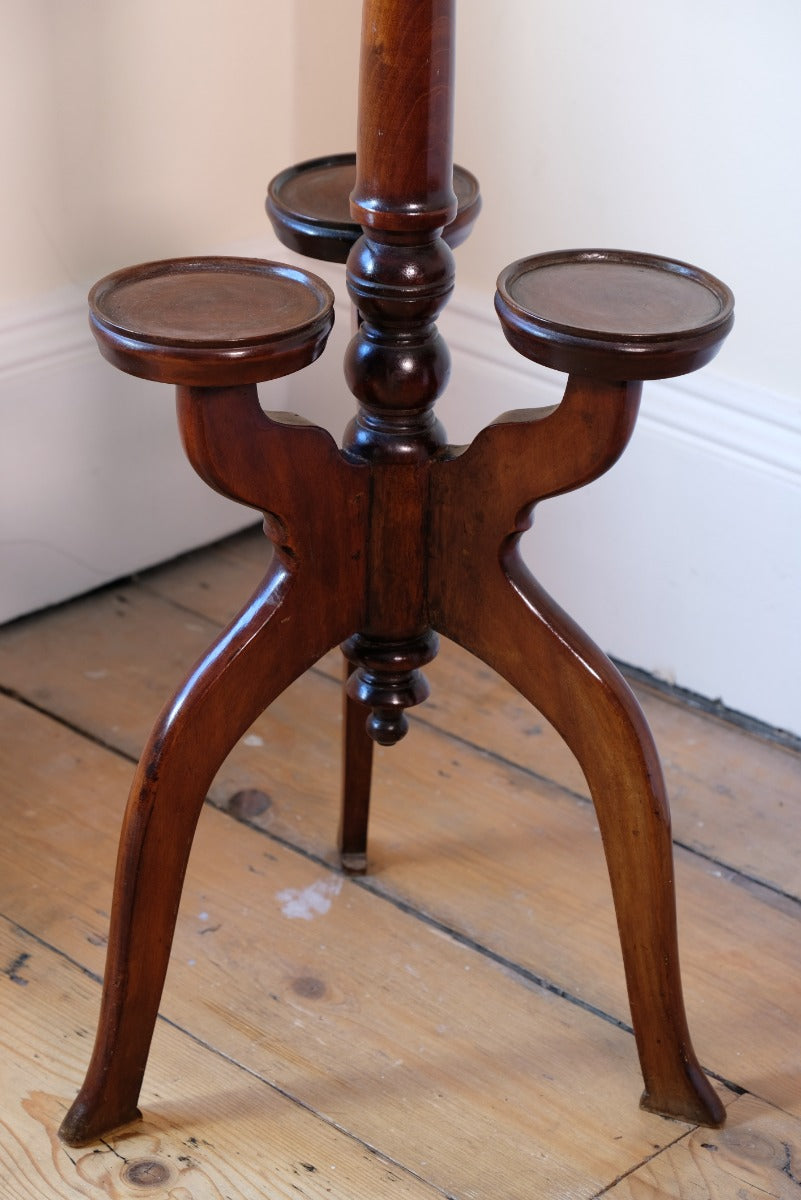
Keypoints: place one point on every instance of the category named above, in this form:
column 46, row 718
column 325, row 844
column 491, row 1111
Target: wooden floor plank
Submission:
column 211, row 1130
column 504, row 859
column 757, row 1156
column 355, row 1014
column 436, row 847
column 734, row 797
column 474, row 1081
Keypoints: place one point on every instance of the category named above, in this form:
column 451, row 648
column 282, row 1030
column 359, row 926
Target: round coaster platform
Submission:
column 309, row 207
column 211, row 322
column 613, row 314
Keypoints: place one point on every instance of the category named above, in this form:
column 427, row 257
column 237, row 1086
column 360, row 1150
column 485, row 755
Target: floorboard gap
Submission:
column 689, row 700
column 516, row 969
column 638, row 1166
column 65, row 723
column 22, row 931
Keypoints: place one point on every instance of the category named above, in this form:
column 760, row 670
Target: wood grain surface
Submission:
column 457, row 1011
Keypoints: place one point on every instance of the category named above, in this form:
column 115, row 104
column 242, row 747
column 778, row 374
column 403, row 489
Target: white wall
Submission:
column 148, row 129
column 668, row 128
column 134, row 129
column 663, row 127
column 130, row 131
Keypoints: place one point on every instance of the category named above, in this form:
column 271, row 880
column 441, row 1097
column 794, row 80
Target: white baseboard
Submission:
column 685, row 560
column 93, row 482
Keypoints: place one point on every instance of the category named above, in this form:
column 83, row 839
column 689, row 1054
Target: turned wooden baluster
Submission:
column 400, row 274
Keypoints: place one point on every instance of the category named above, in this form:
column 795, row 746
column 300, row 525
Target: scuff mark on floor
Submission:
column 307, row 903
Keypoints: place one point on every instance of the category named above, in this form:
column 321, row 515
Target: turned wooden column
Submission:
column 400, row 275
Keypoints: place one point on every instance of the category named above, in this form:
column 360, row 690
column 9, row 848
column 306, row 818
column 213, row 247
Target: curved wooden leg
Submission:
column 248, row 666
column 357, row 768
column 513, row 625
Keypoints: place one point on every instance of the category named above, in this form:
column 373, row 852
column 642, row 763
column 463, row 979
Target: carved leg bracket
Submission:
column 483, row 597
column 310, row 600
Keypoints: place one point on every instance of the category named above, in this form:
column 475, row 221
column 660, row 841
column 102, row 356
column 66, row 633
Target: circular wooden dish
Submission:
column 309, row 207
column 613, row 314
column 211, row 322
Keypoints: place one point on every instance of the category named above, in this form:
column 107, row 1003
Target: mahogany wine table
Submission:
column 397, row 536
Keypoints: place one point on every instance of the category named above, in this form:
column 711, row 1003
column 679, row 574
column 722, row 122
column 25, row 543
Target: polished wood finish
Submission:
column 357, row 770
column 399, row 536
column 309, row 207
column 242, row 452
column 211, row 321
column 404, row 176
column 613, row 314
column 533, row 644
column 400, row 276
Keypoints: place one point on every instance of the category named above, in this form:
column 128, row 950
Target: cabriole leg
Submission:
column 542, row 653
column 247, row 667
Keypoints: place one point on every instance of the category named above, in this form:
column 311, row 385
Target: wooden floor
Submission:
column 455, row 1025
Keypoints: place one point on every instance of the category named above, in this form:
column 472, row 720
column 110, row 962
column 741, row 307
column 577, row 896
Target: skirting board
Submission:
column 684, row 560
column 93, row 481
